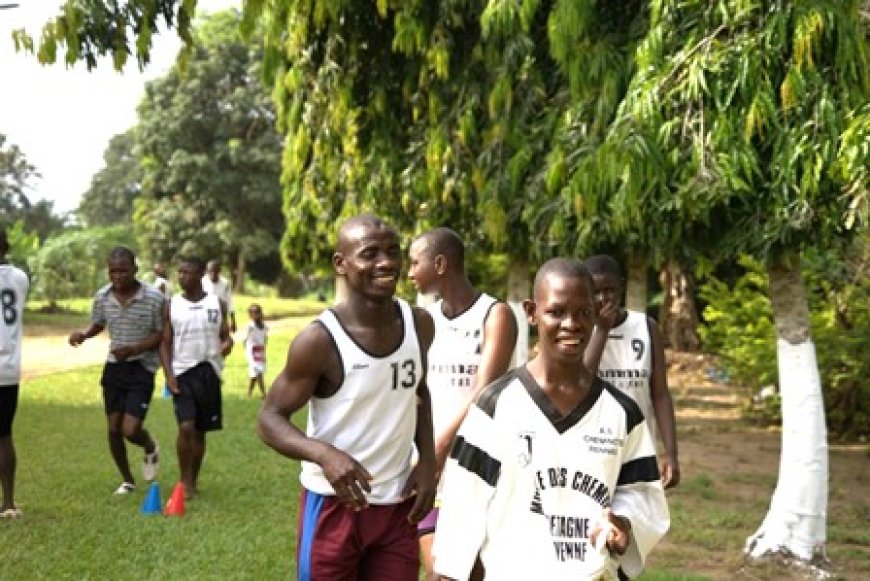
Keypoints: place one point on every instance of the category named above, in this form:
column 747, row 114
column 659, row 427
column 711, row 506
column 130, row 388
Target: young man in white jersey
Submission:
column 132, row 311
column 474, row 340
column 14, row 285
column 360, row 367
column 553, row 474
column 626, row 350
column 195, row 341
column 213, row 282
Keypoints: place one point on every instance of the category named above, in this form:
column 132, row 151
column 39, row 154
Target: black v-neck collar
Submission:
column 560, row 423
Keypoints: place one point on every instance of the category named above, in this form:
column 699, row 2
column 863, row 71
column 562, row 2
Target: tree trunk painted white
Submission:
column 519, row 289
column 635, row 282
column 795, row 523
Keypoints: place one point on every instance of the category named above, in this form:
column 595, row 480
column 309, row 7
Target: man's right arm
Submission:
column 304, row 370
column 165, row 350
column 76, row 338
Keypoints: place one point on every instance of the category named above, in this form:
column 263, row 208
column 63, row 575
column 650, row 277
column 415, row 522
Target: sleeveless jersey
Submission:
column 196, row 333
column 373, row 415
column 454, row 357
column 13, row 292
column 626, row 363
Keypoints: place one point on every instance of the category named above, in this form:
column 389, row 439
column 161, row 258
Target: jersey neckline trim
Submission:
column 560, row 423
column 359, row 346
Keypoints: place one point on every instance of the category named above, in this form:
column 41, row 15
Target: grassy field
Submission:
column 243, row 523
column 241, row 526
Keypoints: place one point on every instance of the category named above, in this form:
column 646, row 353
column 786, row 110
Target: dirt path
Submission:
column 729, row 471
column 51, row 353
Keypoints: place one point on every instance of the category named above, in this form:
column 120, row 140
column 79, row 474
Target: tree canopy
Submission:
column 210, row 154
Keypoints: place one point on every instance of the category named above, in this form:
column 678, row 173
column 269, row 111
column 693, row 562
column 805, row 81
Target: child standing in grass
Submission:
column 255, row 348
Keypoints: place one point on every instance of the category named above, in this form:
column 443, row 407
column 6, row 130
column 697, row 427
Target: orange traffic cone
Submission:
column 175, row 504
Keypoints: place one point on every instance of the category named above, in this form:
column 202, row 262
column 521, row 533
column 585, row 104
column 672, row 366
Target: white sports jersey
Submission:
column 196, row 333
column 626, row 363
column 255, row 348
column 454, row 357
column 221, row 288
column 526, row 485
column 373, row 415
column 14, row 285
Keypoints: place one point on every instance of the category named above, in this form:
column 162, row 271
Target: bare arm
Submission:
column 663, row 407
column 607, row 316
column 295, row 385
column 226, row 337
column 150, row 342
column 76, row 338
column 422, row 480
column 165, row 351
column 499, row 339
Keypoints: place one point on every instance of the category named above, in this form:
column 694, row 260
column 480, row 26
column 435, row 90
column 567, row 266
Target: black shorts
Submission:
column 199, row 398
column 8, row 405
column 127, row 388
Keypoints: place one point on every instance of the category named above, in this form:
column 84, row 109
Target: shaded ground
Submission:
column 729, row 472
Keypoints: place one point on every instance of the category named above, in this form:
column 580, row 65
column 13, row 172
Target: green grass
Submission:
column 242, row 526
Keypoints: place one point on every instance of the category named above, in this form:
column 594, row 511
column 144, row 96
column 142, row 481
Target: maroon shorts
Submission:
column 336, row 543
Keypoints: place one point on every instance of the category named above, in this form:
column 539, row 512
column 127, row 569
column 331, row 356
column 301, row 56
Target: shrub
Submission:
column 738, row 326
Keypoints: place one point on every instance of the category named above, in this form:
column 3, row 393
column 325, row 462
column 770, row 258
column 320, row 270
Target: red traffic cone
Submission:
column 175, row 504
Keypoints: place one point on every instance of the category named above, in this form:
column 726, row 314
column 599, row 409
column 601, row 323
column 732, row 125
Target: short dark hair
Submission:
column 445, row 241
column 122, row 253
column 603, row 264
column 196, row 261
column 564, row 267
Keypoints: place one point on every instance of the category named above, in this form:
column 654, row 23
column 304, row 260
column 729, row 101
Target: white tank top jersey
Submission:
column 454, row 357
column 196, row 333
column 13, row 292
column 373, row 415
column 626, row 363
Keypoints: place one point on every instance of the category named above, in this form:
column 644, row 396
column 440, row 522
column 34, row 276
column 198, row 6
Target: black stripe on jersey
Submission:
column 476, row 461
column 633, row 415
column 561, row 423
column 488, row 397
column 639, row 470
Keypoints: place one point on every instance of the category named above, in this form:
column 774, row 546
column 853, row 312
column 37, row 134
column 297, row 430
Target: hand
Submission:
column 670, row 470
column 123, row 353
column 617, row 529
column 76, row 338
column 422, row 483
column 227, row 347
column 349, row 479
column 172, row 384
column 607, row 315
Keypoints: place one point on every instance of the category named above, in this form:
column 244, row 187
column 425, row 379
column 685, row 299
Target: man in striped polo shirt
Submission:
column 133, row 313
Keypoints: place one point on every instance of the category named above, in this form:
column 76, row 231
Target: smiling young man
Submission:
column 553, row 474
column 132, row 311
column 475, row 335
column 361, row 369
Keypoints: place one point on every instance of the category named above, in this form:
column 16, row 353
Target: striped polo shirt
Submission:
column 131, row 323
